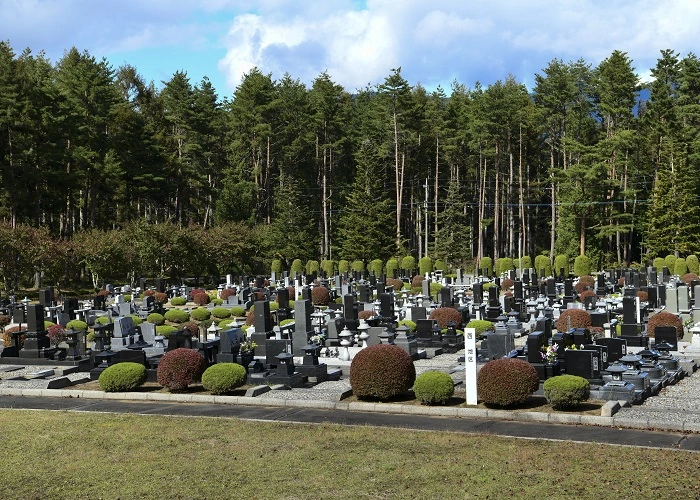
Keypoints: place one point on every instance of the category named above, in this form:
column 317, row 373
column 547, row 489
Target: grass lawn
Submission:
column 73, row 455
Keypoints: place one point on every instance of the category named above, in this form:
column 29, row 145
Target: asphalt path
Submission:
column 517, row 430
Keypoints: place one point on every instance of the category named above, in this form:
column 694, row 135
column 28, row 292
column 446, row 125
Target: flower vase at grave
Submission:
column 552, row 369
column 247, row 357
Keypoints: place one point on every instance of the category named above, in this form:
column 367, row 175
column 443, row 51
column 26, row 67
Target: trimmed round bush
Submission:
column 297, row 267
column 235, row 311
column 525, row 262
column 444, row 315
column 561, row 261
column 433, row 387
column 200, row 314
column 176, row 316
column 201, row 299
column 435, row 288
column 680, row 267
column 664, row 318
column 391, row 267
column 408, row 263
column 122, row 377
column 165, row 330
column 381, row 371
column 179, row 368
column 506, row 283
column 357, row 265
column 312, row 266
column 137, row 321
column 481, row 326
column 582, row 265
column 365, row 314
column 441, row 265
column 7, row 338
column 410, row 324
column 688, row 278
column 585, row 294
column 178, row 301
column 486, row 263
column 503, row 265
column 191, row 327
column 217, row 301
column 417, row 281
column 343, row 266
column 77, row 324
column 328, row 266
column 577, row 318
column 566, row 391
column 160, row 297
column 425, row 265
column 102, row 320
column 376, row 266
column 227, row 292
column 276, row 266
column 693, row 264
column 320, row 296
column 542, row 262
column 670, row 262
column 156, row 319
column 223, row 378
column 506, row 382
column 659, row 264
column 395, row 282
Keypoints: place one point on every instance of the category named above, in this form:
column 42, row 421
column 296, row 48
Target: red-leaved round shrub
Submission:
column 366, row 314
column 160, row 297
column 688, row 278
column 664, row 318
column 320, row 296
column 7, row 338
column 506, row 283
column 585, row 294
column 291, row 291
column 192, row 328
column 195, row 291
column 201, row 299
column 179, row 368
column 381, row 371
column 444, row 315
column 506, row 382
column 148, row 293
column 103, row 293
column 573, row 318
column 587, row 280
column 396, row 283
column 643, row 296
column 417, row 281
column 226, row 293
column 57, row 334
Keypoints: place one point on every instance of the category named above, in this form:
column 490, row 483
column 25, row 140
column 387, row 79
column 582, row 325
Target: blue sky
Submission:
column 357, row 42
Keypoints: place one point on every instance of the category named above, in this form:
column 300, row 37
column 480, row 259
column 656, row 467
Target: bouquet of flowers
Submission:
column 549, row 354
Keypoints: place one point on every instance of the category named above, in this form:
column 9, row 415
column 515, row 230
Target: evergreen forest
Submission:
column 105, row 172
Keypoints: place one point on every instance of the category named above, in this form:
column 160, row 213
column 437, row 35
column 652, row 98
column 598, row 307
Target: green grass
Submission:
column 75, row 455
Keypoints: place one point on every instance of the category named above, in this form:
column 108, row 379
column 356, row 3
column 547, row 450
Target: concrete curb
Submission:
column 474, row 413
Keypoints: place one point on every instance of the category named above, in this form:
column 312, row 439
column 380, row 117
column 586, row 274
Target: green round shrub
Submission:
column 276, row 266
column 77, row 324
column 312, row 266
column 235, row 311
column 223, row 378
column 155, row 318
column 561, row 262
column 127, row 297
column 444, row 315
column 680, row 267
column 122, row 377
column 102, row 320
column 693, row 264
column 481, row 326
column 486, row 263
column 425, row 265
column 410, row 324
column 376, row 266
column 286, row 322
column 343, row 266
column 433, row 387
column 357, row 266
column 178, row 301
column 582, row 266
column 435, row 288
column 179, row 368
column 381, row 371
column 408, row 263
column 506, row 382
column 670, row 262
column 659, row 264
column 391, row 267
column 137, row 321
column 176, row 316
column 542, row 262
column 503, row 265
column 165, row 330
column 217, row 301
column 566, row 391
column 573, row 318
column 441, row 265
column 525, row 262
column 328, row 267
column 200, row 314
column 297, row 267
